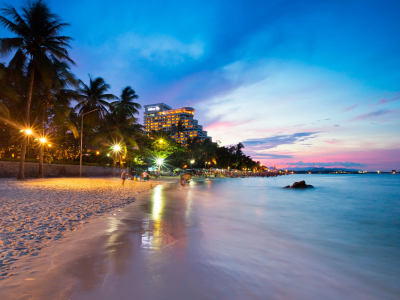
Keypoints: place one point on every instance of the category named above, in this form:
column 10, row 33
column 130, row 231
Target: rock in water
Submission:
column 299, row 185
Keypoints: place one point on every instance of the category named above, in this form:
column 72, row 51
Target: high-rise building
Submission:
column 162, row 117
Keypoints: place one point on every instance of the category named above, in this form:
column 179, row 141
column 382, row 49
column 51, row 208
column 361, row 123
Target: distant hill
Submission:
column 322, row 169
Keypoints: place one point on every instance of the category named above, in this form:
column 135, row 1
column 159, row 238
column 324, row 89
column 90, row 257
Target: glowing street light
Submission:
column 117, row 148
column 161, row 141
column 28, row 131
column 159, row 162
column 97, row 152
column 42, row 140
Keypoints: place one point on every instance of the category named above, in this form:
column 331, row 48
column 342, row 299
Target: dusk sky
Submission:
column 297, row 82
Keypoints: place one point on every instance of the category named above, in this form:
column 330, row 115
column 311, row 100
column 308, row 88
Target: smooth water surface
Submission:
column 243, row 239
column 338, row 240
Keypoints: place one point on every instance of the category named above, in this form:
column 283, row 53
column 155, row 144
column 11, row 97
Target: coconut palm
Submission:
column 5, row 92
column 94, row 96
column 38, row 47
column 55, row 100
column 125, row 102
column 118, row 128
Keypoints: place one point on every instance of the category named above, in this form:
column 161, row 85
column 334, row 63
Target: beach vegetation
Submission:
column 42, row 103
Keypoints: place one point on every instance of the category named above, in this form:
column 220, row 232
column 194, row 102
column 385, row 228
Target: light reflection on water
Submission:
column 252, row 239
column 157, row 202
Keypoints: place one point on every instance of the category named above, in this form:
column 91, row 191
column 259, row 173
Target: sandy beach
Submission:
column 36, row 213
column 218, row 239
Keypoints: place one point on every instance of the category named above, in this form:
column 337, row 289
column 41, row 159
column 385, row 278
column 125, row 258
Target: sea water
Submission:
column 248, row 238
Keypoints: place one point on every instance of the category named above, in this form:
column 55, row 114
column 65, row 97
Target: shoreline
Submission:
column 38, row 212
column 178, row 242
column 75, row 263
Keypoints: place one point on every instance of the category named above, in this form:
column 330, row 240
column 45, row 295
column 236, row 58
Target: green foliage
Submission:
column 37, row 90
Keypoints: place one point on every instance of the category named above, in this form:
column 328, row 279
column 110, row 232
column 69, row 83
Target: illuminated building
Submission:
column 162, row 117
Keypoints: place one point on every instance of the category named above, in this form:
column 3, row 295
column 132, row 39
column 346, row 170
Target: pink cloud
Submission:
column 377, row 159
column 384, row 101
column 349, row 107
column 332, row 141
column 374, row 114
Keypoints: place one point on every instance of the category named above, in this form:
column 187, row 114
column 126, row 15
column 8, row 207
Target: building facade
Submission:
column 160, row 116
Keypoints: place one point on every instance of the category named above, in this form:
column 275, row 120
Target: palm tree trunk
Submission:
column 41, row 175
column 21, row 174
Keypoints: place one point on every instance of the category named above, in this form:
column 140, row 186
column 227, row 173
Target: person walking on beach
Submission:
column 183, row 180
column 145, row 176
column 123, row 177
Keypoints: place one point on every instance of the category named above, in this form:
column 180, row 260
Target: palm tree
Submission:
column 231, row 150
column 5, row 91
column 126, row 103
column 55, row 100
column 39, row 47
column 178, row 129
column 120, row 129
column 93, row 96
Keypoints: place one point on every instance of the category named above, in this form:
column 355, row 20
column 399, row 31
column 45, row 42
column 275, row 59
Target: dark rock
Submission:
column 299, row 185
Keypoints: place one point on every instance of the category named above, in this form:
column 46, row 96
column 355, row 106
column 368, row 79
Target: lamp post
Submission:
column 159, row 162
column 191, row 163
column 28, row 133
column 116, row 149
column 42, row 141
column 80, row 163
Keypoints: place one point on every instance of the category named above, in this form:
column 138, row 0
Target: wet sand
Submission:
column 212, row 239
column 36, row 213
column 100, row 258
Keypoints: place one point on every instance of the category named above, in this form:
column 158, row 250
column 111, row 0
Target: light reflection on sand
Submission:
column 209, row 240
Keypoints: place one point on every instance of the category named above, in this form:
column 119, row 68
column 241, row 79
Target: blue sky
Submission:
column 298, row 82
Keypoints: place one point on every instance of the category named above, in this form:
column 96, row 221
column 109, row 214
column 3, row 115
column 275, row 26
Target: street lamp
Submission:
column 159, row 162
column 191, row 163
column 161, row 141
column 80, row 162
column 116, row 148
column 28, row 132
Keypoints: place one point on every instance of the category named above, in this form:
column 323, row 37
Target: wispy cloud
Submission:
column 326, row 164
column 334, row 141
column 274, row 141
column 374, row 114
column 270, row 155
column 161, row 48
column 349, row 107
column 384, row 101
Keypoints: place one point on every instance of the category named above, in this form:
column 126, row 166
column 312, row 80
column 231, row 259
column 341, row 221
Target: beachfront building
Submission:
column 162, row 117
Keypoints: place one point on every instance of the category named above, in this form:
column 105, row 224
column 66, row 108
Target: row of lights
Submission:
column 29, row 132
